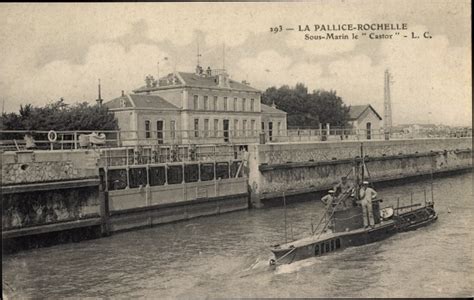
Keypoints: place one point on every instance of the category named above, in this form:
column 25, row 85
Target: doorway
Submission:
column 369, row 130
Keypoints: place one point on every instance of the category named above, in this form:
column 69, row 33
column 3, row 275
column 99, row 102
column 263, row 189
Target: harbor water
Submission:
column 227, row 256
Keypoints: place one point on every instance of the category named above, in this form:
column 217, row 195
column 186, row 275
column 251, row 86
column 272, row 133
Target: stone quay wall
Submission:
column 300, row 168
column 37, row 166
column 45, row 191
column 22, row 210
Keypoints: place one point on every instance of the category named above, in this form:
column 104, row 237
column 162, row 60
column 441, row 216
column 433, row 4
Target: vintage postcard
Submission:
column 199, row 150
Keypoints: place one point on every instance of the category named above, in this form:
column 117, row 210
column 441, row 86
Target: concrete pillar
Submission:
column 255, row 177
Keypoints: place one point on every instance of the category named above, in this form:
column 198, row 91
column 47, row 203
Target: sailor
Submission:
column 29, row 141
column 329, row 198
column 344, row 187
column 330, row 201
column 366, row 194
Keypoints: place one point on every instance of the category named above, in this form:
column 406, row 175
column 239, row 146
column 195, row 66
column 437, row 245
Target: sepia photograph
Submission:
column 201, row 150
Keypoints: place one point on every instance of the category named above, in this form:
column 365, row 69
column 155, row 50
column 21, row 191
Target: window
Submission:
column 244, row 127
column 222, row 170
column 236, row 127
column 157, row 176
column 191, row 173
column 173, row 129
column 215, row 102
column 196, row 102
column 159, row 131
column 235, row 104
column 225, row 103
column 216, row 127
column 252, row 127
column 206, row 127
column 279, row 129
column 234, row 168
column 207, row 172
column 137, row 177
column 147, row 129
column 196, row 127
column 175, row 174
column 252, row 104
column 244, row 104
column 206, row 102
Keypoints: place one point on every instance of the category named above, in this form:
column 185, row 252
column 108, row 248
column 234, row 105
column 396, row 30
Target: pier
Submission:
column 118, row 186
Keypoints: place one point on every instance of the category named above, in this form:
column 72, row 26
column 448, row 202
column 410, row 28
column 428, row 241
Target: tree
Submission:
column 308, row 109
column 60, row 116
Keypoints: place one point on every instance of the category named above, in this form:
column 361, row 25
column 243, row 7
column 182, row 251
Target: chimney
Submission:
column 199, row 70
column 148, row 81
column 223, row 79
column 123, row 93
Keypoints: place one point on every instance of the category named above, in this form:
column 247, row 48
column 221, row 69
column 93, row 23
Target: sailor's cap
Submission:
column 331, row 191
column 365, row 182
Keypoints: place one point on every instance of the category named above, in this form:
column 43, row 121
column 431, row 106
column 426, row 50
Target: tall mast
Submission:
column 99, row 99
column 198, row 55
column 387, row 103
column 223, row 56
column 158, row 72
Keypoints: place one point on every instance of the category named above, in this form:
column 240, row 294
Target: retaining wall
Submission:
column 304, row 168
column 44, row 166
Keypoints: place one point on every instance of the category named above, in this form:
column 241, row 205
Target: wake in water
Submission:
column 261, row 265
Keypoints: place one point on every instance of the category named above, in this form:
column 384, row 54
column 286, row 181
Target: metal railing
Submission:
column 15, row 140
column 133, row 155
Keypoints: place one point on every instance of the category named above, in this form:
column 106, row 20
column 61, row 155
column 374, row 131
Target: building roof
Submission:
column 140, row 101
column 266, row 109
column 194, row 80
column 356, row 111
column 119, row 102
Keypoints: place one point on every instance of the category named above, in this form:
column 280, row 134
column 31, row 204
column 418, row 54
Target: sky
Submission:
column 55, row 50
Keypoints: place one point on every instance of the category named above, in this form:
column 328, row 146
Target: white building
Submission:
column 365, row 120
column 201, row 107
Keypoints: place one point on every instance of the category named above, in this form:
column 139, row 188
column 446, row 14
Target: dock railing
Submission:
column 15, row 140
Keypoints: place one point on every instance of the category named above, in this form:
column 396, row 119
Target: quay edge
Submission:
column 66, row 190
